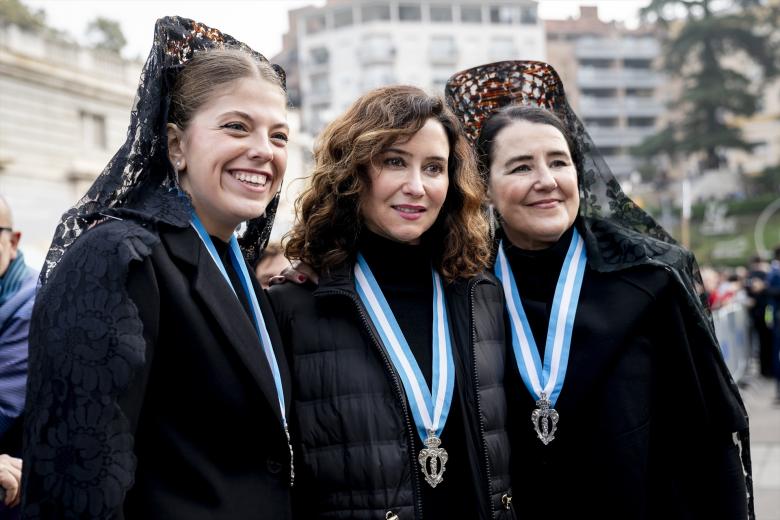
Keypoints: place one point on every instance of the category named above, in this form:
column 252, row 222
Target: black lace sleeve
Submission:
column 86, row 347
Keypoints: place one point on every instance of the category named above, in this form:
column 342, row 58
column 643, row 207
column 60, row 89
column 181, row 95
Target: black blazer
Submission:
column 200, row 406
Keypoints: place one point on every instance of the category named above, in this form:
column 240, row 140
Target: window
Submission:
column 502, row 48
column 315, row 24
column 610, row 150
column 443, row 49
column 441, row 13
column 375, row 12
column 528, row 15
column 601, row 122
column 378, row 76
column 93, row 130
column 320, row 114
column 639, row 92
column 599, row 92
column 471, row 14
column 319, row 55
column 342, row 17
column 320, row 84
column 409, row 12
column 641, row 122
column 637, row 63
column 376, row 48
column 439, row 84
column 504, row 14
column 596, row 63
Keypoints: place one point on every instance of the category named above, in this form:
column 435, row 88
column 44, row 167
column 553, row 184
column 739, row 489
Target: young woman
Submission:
column 397, row 357
column 157, row 384
column 623, row 406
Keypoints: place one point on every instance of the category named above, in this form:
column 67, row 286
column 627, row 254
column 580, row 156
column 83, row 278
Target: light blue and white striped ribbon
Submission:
column 429, row 408
column 239, row 264
column 547, row 378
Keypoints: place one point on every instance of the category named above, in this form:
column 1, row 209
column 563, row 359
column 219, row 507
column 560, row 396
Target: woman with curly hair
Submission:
column 397, row 357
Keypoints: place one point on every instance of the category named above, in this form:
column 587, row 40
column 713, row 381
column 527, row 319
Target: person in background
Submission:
column 10, row 482
column 158, row 386
column 271, row 263
column 17, row 295
column 773, row 295
column 755, row 286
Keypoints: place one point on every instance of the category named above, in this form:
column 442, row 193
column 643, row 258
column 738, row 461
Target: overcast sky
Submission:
column 258, row 23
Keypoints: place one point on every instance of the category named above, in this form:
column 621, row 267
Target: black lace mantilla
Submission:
column 140, row 175
column 618, row 233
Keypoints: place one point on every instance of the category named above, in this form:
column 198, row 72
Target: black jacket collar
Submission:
column 209, row 285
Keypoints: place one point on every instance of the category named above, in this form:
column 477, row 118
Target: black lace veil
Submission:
column 139, row 180
column 618, row 233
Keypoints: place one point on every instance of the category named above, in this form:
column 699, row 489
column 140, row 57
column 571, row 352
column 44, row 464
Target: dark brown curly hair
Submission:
column 329, row 218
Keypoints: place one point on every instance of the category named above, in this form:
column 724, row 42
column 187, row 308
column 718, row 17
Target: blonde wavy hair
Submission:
column 329, row 219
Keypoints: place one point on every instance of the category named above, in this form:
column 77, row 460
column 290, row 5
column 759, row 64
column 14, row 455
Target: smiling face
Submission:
column 533, row 184
column 233, row 153
column 409, row 183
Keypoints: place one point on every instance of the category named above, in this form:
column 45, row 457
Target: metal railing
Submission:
column 734, row 331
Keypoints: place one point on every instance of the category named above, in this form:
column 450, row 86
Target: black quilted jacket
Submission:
column 352, row 425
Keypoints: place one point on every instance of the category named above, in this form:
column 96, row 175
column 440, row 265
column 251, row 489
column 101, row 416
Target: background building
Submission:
column 64, row 112
column 337, row 52
column 612, row 80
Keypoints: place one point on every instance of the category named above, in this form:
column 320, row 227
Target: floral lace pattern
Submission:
column 86, row 345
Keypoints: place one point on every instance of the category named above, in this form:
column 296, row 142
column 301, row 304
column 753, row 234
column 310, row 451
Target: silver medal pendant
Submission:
column 433, row 460
column 545, row 420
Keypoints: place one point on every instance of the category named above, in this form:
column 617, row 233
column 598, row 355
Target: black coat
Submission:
column 151, row 398
column 352, row 422
column 643, row 423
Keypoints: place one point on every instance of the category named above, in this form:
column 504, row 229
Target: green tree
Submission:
column 106, row 34
column 697, row 52
column 768, row 181
column 16, row 13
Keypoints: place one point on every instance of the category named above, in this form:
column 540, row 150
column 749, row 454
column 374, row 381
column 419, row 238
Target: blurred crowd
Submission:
column 755, row 286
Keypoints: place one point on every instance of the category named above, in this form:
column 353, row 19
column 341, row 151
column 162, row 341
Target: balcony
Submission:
column 315, row 67
column 376, row 53
column 443, row 56
column 619, row 136
column 319, row 92
column 589, row 77
column 630, row 106
column 644, row 48
column 639, row 106
column 621, row 165
column 643, row 78
column 593, row 106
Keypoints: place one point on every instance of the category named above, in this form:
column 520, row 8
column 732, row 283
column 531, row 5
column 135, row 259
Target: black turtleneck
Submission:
column 536, row 274
column 223, row 249
column 403, row 272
